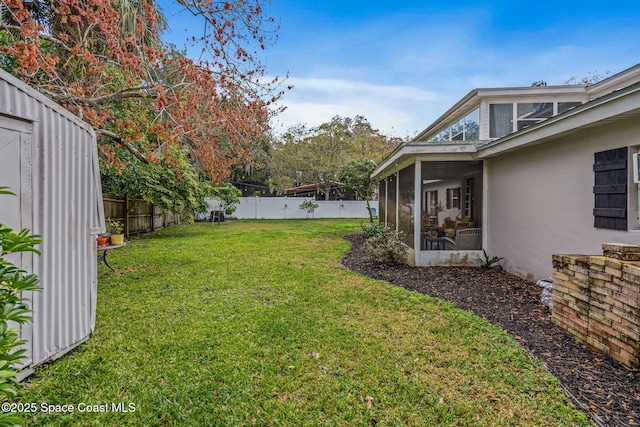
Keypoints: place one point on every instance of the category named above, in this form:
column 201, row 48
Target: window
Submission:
column 432, row 201
column 470, row 198
column 472, row 126
column 610, row 189
column 457, row 130
column 532, row 113
column 500, row 120
column 443, row 135
column 453, row 198
column 566, row 106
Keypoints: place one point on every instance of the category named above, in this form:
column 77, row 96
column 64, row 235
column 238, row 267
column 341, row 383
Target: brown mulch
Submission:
column 607, row 391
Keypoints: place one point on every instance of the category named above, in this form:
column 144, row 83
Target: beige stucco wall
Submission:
column 540, row 200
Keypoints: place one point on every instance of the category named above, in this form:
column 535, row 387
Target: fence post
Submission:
column 153, row 218
column 126, row 215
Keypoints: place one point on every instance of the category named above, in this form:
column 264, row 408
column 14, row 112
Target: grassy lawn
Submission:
column 258, row 323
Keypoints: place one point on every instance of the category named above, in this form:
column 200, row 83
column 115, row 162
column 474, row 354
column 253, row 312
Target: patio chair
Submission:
column 448, row 224
column 468, row 239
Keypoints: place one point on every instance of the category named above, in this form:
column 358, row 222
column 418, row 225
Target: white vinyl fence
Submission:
column 289, row 208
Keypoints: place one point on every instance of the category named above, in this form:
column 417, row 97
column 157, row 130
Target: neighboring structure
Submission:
column 254, row 188
column 535, row 171
column 321, row 191
column 48, row 157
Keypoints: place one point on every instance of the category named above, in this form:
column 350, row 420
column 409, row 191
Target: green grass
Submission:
column 258, row 323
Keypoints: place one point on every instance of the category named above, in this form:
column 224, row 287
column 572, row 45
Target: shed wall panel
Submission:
column 65, row 208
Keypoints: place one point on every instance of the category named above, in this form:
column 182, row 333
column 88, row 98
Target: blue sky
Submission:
column 401, row 64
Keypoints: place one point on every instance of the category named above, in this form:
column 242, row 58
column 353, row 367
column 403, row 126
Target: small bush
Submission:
column 387, row 247
column 488, row 262
column 14, row 311
column 309, row 206
column 372, row 229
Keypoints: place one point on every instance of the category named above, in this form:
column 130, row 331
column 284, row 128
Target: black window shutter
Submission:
column 610, row 189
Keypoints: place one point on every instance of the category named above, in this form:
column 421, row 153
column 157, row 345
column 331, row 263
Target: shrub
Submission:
column 309, row 206
column 488, row 262
column 386, row 247
column 372, row 229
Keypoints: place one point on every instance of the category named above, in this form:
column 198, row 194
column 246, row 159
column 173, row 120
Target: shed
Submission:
column 49, row 158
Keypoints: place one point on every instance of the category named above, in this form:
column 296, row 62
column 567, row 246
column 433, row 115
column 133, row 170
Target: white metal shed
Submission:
column 49, row 158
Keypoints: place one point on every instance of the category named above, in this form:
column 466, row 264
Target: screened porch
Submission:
column 441, row 221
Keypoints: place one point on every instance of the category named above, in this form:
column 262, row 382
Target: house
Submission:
column 49, row 159
column 522, row 173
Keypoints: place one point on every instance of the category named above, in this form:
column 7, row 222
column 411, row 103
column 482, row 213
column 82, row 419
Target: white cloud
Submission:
column 394, row 110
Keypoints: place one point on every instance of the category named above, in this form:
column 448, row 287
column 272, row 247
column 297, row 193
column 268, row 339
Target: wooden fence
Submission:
column 138, row 216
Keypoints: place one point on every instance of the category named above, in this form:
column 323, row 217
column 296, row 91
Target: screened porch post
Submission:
column 397, row 201
column 417, row 210
column 485, row 206
column 386, row 201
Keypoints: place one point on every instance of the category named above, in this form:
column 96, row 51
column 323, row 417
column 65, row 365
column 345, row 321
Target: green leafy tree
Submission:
column 314, row 156
column 356, row 176
column 171, row 183
column 13, row 308
column 229, row 196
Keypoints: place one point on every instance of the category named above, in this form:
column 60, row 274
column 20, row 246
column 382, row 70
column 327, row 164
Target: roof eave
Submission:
column 409, row 152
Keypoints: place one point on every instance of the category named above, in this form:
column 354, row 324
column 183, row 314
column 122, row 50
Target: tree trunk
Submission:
column 369, row 210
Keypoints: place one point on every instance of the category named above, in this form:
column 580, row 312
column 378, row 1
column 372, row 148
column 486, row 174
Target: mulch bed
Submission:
column 607, row 391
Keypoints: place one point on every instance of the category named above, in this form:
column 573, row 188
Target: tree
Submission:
column 105, row 62
column 309, row 206
column 356, row 176
column 591, row 78
column 312, row 156
column 229, row 197
column 175, row 187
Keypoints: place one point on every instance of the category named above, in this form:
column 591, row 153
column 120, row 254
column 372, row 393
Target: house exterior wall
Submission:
column 49, row 157
column 540, row 199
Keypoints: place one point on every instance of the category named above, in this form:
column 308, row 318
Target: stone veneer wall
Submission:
column 597, row 300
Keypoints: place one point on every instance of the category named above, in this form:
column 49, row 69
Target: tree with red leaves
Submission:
column 105, row 61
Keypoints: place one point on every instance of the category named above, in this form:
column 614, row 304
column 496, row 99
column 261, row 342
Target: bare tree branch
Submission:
column 135, row 92
column 120, row 140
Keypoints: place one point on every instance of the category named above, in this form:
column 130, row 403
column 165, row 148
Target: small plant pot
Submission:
column 117, row 239
column 103, row 241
